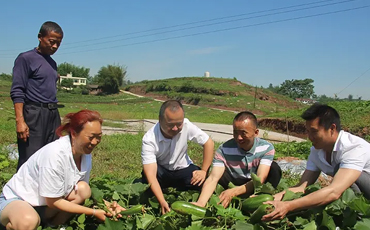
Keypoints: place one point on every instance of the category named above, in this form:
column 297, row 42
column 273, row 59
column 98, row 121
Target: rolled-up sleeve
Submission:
column 20, row 78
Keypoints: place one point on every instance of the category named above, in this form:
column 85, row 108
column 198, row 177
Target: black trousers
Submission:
column 179, row 179
column 273, row 177
column 42, row 123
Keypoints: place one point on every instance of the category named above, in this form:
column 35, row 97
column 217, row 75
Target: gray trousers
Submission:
column 361, row 185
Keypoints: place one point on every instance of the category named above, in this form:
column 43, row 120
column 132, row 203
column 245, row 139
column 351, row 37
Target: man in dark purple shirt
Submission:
column 34, row 93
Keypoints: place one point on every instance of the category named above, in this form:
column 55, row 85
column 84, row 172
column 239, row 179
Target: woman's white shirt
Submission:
column 50, row 172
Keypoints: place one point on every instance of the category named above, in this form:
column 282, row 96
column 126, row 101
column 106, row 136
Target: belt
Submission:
column 45, row 105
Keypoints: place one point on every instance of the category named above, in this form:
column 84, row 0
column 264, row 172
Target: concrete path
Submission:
column 218, row 132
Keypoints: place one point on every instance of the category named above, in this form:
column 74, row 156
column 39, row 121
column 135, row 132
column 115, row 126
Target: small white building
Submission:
column 207, row 74
column 76, row 80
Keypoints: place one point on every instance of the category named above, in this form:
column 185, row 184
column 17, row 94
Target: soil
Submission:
column 293, row 128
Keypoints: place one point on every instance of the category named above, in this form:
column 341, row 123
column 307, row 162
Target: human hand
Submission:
column 114, row 208
column 165, row 207
column 279, row 196
column 281, row 208
column 101, row 214
column 197, row 204
column 198, row 178
column 226, row 196
column 23, row 131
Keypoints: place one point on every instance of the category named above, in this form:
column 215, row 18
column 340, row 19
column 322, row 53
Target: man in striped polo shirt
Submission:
column 237, row 158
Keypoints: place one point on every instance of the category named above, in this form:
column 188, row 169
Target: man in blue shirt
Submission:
column 34, row 91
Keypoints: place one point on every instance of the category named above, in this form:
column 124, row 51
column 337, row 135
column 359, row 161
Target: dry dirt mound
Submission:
column 280, row 125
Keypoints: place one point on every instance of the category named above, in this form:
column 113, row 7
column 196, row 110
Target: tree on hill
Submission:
column 77, row 71
column 110, row 78
column 6, row 77
column 68, row 83
column 274, row 89
column 297, row 88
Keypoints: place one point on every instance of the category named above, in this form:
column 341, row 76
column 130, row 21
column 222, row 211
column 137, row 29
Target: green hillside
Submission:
column 216, row 92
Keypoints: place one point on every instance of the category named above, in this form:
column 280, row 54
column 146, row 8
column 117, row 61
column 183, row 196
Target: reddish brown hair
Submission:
column 74, row 122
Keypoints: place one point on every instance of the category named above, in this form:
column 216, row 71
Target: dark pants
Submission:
column 42, row 123
column 273, row 177
column 179, row 179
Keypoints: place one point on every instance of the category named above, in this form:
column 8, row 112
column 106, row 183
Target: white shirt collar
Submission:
column 338, row 142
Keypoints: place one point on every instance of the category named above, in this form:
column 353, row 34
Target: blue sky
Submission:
column 332, row 49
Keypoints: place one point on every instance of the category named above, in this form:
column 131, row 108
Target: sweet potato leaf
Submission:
column 111, row 225
column 363, row 224
column 336, row 207
column 242, row 225
column 310, row 226
column 300, row 221
column 267, row 188
column 97, row 194
column 348, row 196
column 327, row 221
column 289, row 195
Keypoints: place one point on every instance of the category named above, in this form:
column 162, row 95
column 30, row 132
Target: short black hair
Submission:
column 48, row 27
column 327, row 115
column 246, row 115
column 173, row 105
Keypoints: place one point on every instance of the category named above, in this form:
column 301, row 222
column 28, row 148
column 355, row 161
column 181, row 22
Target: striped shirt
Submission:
column 239, row 163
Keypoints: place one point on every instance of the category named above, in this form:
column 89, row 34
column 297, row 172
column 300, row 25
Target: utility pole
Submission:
column 255, row 95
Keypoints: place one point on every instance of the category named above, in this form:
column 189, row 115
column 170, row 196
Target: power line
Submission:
column 206, row 25
column 191, row 23
column 215, row 31
column 220, row 30
column 353, row 81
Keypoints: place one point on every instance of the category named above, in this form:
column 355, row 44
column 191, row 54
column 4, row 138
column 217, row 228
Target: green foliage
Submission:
column 68, row 83
column 297, row 88
column 77, row 71
column 293, row 149
column 110, row 78
column 348, row 212
column 6, row 77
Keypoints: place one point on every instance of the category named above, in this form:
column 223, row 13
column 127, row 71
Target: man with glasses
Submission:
column 164, row 153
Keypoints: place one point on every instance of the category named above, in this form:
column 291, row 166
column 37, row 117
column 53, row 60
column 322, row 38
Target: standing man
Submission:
column 342, row 155
column 164, row 153
column 237, row 158
column 34, row 92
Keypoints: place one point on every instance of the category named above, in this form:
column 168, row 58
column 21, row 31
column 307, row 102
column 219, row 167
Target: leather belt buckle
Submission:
column 52, row 106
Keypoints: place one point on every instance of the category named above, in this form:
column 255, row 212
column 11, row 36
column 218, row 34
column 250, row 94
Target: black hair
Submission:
column 48, row 27
column 327, row 115
column 246, row 115
column 173, row 105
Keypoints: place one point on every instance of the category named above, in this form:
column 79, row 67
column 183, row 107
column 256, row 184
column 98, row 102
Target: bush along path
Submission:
column 349, row 212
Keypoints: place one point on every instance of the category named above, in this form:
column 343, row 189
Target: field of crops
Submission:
column 349, row 212
column 116, row 163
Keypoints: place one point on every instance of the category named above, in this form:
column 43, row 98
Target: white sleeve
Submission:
column 196, row 135
column 51, row 182
column 311, row 163
column 148, row 152
column 354, row 158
